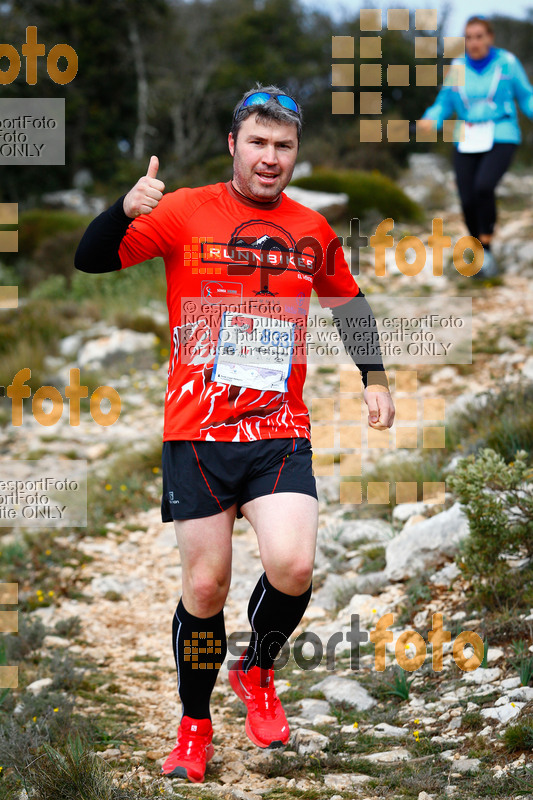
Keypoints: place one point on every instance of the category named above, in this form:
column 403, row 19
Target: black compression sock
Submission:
column 199, row 646
column 273, row 616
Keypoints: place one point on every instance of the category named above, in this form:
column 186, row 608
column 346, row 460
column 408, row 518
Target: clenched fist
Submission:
column 381, row 410
column 146, row 193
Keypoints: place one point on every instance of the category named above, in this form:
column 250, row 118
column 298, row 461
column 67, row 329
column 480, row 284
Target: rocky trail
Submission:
column 133, row 585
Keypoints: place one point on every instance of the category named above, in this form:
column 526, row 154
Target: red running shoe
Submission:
column 192, row 752
column 266, row 723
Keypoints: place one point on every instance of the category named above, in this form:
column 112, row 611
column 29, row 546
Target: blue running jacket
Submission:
column 512, row 85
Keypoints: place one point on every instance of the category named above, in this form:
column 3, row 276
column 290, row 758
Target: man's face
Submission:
column 264, row 156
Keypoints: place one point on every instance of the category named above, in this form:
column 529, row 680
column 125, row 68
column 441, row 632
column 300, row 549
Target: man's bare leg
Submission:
column 286, row 525
column 205, row 550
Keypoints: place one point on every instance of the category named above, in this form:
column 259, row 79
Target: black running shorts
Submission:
column 201, row 478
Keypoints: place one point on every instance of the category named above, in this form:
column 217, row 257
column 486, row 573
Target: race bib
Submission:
column 254, row 351
column 479, row 137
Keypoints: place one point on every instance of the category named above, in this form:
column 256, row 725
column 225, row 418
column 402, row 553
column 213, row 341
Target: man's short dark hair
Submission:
column 271, row 110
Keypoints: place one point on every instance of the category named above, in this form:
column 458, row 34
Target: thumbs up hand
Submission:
column 146, row 193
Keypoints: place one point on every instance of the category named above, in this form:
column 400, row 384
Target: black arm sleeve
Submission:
column 358, row 330
column 98, row 248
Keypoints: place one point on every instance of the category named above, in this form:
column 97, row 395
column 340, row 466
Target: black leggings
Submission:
column 477, row 176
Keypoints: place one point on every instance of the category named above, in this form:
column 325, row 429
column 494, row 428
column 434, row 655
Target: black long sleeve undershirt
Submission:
column 358, row 330
column 99, row 245
column 98, row 252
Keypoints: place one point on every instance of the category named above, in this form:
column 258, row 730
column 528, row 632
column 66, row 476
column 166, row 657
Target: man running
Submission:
column 237, row 433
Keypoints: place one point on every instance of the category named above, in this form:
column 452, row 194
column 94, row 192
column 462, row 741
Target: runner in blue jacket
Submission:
column 494, row 80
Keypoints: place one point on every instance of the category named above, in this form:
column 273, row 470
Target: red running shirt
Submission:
column 227, row 253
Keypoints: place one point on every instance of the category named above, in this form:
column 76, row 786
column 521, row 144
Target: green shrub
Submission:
column 49, row 708
column 523, row 662
column 417, row 595
column 505, row 423
column 332, row 147
column 126, row 486
column 423, row 466
column 19, row 744
column 4, row 662
column 472, row 720
column 499, row 505
column 27, row 335
column 373, row 559
column 366, row 191
column 69, row 628
column 520, row 735
column 65, row 674
column 47, row 242
column 74, row 772
column 120, row 291
column 54, row 256
column 53, row 287
column 23, row 355
column 30, row 637
column 399, row 685
column 212, row 170
column 38, row 225
column 37, row 322
column 141, row 320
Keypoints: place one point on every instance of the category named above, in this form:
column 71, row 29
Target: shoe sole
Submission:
column 181, row 772
column 275, row 745
column 237, row 688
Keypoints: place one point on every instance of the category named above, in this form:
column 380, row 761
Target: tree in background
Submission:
column 101, row 106
column 163, row 77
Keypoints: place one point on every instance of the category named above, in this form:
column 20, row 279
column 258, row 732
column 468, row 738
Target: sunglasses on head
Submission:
column 260, row 98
